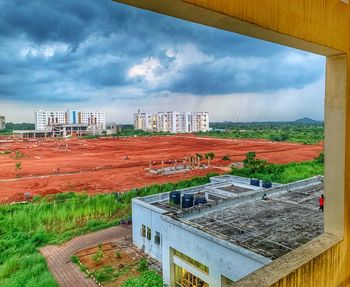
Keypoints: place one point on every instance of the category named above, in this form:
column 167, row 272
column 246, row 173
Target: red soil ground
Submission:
column 99, row 165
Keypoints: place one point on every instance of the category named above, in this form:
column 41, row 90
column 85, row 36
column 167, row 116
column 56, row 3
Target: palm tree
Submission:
column 209, row 156
column 199, row 158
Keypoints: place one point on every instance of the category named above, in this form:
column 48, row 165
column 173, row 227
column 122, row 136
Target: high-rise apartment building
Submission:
column 172, row 122
column 46, row 120
column 2, row 123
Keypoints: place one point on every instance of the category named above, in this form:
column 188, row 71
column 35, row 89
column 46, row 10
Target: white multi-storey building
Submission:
column 46, row 120
column 141, row 121
column 172, row 122
column 95, row 119
column 2, row 123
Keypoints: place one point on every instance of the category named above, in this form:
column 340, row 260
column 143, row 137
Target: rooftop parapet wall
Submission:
column 248, row 197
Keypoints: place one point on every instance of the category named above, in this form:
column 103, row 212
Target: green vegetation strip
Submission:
column 279, row 133
column 53, row 220
column 281, row 173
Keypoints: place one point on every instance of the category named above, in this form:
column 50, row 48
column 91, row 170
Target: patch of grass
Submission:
column 55, row 219
column 146, row 279
column 283, row 173
column 105, row 274
column 142, row 265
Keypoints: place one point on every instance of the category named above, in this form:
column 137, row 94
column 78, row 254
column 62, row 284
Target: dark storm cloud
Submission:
column 62, row 51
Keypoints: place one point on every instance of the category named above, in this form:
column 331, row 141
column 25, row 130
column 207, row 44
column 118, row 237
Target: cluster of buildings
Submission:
column 65, row 123
column 218, row 233
column 2, row 123
column 172, row 122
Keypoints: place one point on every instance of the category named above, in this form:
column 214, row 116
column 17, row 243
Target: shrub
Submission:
column 146, row 279
column 142, row 265
column 225, row 157
column 320, row 158
column 105, row 274
column 74, row 259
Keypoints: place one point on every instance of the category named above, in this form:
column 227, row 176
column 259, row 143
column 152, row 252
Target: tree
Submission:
column 209, row 156
column 199, row 158
column 255, row 165
column 320, row 158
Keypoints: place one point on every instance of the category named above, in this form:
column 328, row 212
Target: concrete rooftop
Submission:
column 270, row 227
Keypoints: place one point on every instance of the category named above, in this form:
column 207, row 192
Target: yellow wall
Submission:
column 305, row 24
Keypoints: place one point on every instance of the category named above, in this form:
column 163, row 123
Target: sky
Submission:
column 100, row 55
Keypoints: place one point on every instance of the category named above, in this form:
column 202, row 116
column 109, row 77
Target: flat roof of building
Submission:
column 237, row 214
column 270, row 227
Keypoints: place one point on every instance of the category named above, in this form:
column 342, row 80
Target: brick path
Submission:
column 68, row 274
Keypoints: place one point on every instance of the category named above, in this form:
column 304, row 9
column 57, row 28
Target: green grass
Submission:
column 146, row 279
column 53, row 220
column 284, row 173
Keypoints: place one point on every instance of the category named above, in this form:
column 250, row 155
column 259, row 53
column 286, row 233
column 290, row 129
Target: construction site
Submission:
column 50, row 166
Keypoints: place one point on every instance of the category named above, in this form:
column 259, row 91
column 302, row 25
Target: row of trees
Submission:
column 280, row 133
column 209, row 156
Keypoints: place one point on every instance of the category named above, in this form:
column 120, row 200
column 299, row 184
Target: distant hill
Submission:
column 307, row 121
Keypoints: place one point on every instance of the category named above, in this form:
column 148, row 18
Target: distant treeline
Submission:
column 304, row 131
column 304, row 135
column 265, row 125
column 20, row 126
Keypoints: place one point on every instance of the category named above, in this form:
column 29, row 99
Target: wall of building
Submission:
column 172, row 122
column 46, row 119
column 150, row 218
column 221, row 258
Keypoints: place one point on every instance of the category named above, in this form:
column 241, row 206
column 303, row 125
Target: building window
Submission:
column 157, row 238
column 149, row 233
column 143, row 231
column 191, row 261
column 183, row 278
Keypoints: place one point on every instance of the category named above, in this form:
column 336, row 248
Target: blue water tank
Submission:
column 266, row 184
column 255, row 182
column 187, row 200
column 175, row 197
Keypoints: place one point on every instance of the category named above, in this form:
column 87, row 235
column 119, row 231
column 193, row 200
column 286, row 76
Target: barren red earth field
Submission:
column 49, row 166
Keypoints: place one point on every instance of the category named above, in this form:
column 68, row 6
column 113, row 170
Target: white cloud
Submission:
column 44, row 51
column 156, row 74
column 149, row 69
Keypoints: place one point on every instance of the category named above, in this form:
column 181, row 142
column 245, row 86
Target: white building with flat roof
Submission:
column 227, row 230
column 49, row 119
column 172, row 122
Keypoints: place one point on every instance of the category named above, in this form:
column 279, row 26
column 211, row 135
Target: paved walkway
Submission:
column 68, row 274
